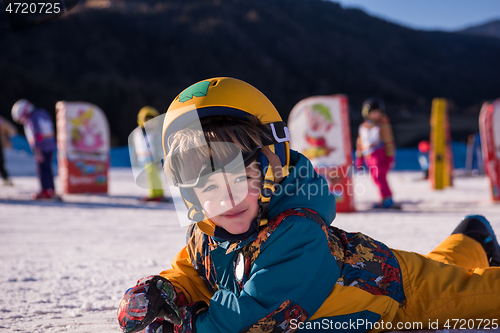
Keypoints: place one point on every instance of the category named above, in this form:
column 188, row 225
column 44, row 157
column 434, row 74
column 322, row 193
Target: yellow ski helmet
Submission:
column 144, row 113
column 232, row 97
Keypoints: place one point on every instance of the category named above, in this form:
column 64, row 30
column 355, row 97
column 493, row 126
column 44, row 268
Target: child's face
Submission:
column 217, row 198
column 374, row 115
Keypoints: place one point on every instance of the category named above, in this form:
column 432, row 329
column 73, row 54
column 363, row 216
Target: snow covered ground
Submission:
column 65, row 266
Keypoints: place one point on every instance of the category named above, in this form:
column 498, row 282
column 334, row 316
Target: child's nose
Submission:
column 227, row 199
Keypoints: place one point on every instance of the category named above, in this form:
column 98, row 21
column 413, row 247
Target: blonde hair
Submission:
column 188, row 149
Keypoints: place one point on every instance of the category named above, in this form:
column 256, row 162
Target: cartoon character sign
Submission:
column 489, row 128
column 83, row 147
column 85, row 136
column 320, row 123
column 319, row 128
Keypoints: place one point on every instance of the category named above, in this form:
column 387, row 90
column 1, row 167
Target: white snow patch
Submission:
column 65, row 266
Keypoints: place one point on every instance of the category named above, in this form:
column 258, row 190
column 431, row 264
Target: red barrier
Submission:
column 489, row 129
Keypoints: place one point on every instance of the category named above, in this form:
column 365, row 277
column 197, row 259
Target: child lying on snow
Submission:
column 262, row 256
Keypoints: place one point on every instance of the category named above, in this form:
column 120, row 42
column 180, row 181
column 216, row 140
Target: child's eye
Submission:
column 209, row 188
column 242, row 178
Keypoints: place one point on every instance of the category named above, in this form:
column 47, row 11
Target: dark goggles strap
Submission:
column 247, row 159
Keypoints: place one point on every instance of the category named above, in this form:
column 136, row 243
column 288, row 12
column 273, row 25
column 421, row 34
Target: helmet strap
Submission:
column 271, row 180
column 261, row 219
column 275, row 163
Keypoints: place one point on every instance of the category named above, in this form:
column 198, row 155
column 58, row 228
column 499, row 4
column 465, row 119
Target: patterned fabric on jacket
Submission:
column 365, row 263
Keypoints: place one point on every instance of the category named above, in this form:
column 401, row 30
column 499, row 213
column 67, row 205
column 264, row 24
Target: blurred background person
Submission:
column 474, row 157
column 375, row 145
column 39, row 131
column 7, row 130
column 423, row 157
column 145, row 146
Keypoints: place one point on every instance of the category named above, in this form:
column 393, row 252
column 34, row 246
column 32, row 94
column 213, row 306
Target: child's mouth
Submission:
column 231, row 215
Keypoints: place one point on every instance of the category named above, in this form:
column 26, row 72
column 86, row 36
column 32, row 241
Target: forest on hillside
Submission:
column 138, row 53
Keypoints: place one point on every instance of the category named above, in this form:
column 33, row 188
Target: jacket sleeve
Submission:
column 185, row 278
column 290, row 279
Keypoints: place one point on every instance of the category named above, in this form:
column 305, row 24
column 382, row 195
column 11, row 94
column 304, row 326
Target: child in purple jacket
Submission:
column 40, row 134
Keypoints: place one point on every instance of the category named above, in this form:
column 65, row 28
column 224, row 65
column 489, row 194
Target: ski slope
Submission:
column 65, row 266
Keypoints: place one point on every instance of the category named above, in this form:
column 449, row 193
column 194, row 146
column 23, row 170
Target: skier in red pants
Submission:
column 375, row 144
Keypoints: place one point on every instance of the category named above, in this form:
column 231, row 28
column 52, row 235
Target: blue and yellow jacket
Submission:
column 296, row 272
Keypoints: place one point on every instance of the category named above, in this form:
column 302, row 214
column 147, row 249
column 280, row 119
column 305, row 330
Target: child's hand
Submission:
column 153, row 297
